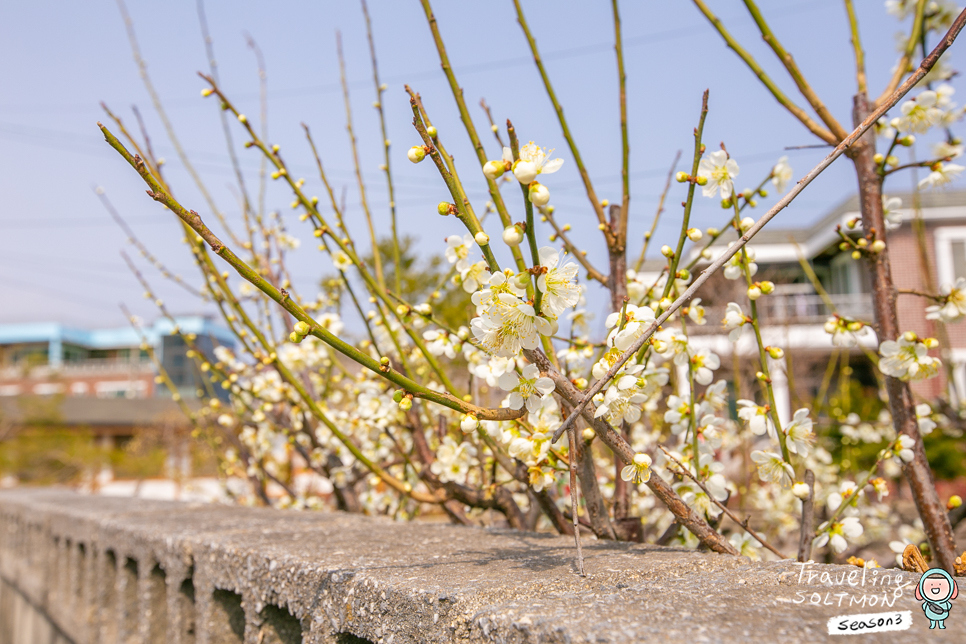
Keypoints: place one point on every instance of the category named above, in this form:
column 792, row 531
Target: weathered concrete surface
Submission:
column 122, row 570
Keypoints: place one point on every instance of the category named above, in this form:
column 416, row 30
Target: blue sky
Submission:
column 59, row 250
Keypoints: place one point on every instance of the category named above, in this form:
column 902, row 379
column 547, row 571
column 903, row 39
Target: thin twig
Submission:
column 724, row 508
column 924, row 67
column 572, row 457
column 657, row 214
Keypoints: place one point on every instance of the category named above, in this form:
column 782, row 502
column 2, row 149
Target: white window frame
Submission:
column 942, row 239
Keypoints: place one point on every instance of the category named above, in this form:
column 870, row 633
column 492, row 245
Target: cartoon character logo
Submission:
column 936, row 591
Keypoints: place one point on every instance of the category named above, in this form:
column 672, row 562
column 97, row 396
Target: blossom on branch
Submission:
column 719, row 171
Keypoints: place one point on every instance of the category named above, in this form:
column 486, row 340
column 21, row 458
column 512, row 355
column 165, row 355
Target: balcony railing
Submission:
column 801, row 308
column 81, row 367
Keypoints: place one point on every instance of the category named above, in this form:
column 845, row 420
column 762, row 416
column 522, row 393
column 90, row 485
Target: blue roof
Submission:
column 111, row 338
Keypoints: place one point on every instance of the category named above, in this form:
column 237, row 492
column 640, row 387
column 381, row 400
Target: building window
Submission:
column 950, row 253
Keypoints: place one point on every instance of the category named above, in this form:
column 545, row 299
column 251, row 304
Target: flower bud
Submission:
column 862, row 242
column 206, row 92
column 694, row 234
column 683, row 274
column 701, row 181
column 776, row 353
column 512, row 235
column 522, row 280
column 854, row 326
column 746, row 223
column 294, row 337
column 878, row 158
column 444, row 208
column 892, row 160
column 747, row 193
column 910, row 336
column 482, row 238
column 681, row 176
column 667, row 251
column 580, row 383
column 416, row 153
column 954, row 502
column 525, row 171
column 706, row 253
column 726, row 203
column 242, row 118
column 397, row 395
column 761, row 376
column 494, row 169
column 767, row 287
column 469, row 423
column 762, row 193
column 907, row 140
column 878, row 246
column 604, row 203
column 538, row 194
column 431, row 131
column 665, row 303
column 754, row 292
column 800, row 490
column 856, row 254
column 931, row 343
column 406, row 403
column 588, row 434
column 302, row 328
column 713, row 232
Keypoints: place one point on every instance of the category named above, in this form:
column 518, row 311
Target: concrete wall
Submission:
column 84, row 570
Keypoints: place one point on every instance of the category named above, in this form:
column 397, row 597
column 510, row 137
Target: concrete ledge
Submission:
column 93, row 569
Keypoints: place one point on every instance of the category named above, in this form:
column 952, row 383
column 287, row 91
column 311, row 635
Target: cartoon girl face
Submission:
column 936, row 588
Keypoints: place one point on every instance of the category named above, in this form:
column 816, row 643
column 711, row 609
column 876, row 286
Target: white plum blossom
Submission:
column 953, row 307
column 890, row 211
column 639, row 470
column 645, row 381
column 508, row 328
column 845, row 333
column 940, row 174
column 341, row 261
column 638, row 319
column 798, row 433
column 919, row 113
column 720, row 172
column 442, row 343
column 907, row 360
column 704, row 363
column 620, row 406
column 734, row 321
column 557, row 284
column 534, row 161
column 838, row 533
column 678, row 413
column 781, row 174
column 458, row 251
column 453, row 460
column 771, row 467
column 529, row 388
column 903, row 449
column 734, row 267
column 946, row 150
column 696, row 312
column 757, row 417
column 473, row 276
column 924, row 418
